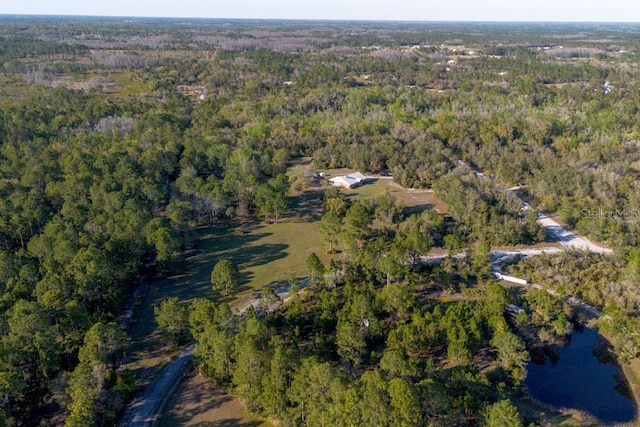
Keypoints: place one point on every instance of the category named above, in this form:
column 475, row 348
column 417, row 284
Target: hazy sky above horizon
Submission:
column 431, row 10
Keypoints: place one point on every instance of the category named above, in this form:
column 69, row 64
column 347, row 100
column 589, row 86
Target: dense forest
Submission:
column 119, row 139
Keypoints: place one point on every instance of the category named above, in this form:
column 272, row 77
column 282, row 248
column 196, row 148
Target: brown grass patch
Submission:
column 198, row 402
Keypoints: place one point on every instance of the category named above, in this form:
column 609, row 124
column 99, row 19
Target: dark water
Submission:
column 578, row 376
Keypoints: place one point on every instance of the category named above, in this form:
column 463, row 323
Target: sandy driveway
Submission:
column 145, row 410
column 569, row 239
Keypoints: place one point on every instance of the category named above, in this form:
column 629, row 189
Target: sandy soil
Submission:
column 198, row 402
column 569, row 239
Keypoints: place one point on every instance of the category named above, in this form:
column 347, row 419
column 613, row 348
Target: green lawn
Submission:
column 414, row 200
column 264, row 252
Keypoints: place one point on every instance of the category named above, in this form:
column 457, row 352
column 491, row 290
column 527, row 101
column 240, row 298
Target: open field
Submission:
column 414, row 200
column 265, row 253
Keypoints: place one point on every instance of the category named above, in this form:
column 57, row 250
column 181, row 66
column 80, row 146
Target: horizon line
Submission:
column 337, row 20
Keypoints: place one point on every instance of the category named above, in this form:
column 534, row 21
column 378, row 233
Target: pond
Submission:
column 578, row 376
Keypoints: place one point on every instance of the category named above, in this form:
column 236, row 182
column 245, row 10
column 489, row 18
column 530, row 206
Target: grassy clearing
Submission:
column 414, row 200
column 265, row 253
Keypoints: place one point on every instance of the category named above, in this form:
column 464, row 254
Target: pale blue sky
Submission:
column 430, row 10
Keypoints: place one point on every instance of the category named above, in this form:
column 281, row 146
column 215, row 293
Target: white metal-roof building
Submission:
column 351, row 180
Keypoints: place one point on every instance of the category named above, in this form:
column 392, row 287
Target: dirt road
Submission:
column 144, row 411
column 569, row 239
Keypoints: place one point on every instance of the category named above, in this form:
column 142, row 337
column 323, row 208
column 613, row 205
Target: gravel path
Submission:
column 145, row 411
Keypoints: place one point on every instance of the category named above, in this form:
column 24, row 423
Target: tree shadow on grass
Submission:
column 212, row 245
column 241, row 249
column 224, row 240
column 256, row 256
column 307, row 206
column 236, row 242
column 418, row 209
column 237, row 247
